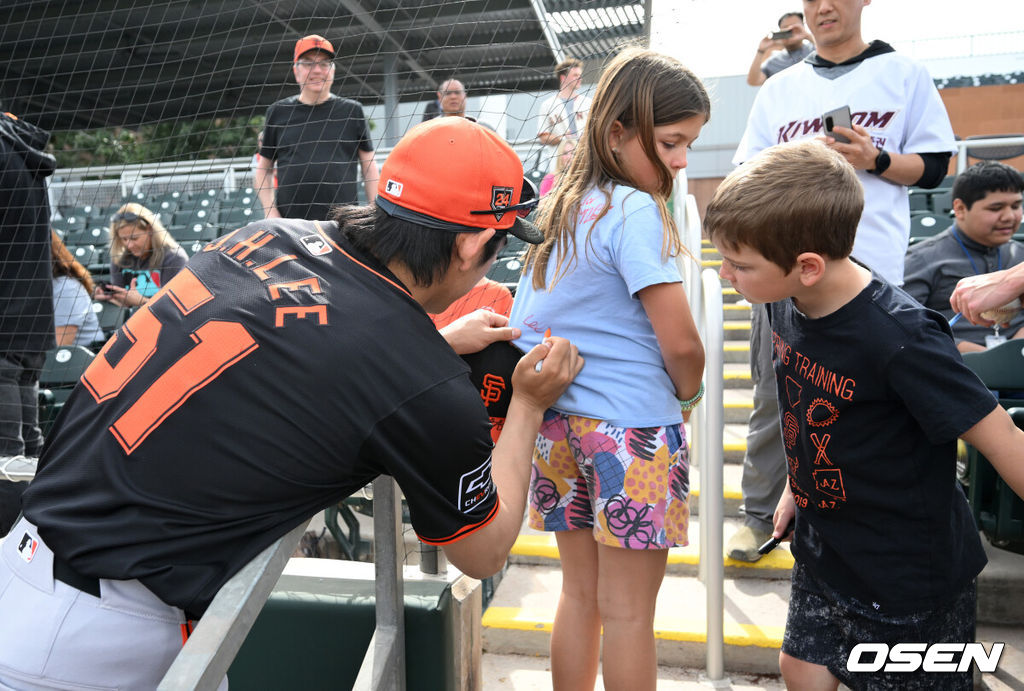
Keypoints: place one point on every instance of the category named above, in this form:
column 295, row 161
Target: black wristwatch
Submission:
column 882, row 162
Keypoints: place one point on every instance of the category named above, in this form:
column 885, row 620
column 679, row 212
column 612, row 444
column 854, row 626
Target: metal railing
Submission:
column 204, row 660
column 704, row 291
column 709, row 426
column 963, row 144
column 384, row 663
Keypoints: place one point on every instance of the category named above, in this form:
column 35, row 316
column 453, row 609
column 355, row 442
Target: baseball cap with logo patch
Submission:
column 313, row 42
column 453, row 174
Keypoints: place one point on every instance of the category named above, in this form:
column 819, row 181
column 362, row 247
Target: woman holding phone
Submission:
column 143, row 257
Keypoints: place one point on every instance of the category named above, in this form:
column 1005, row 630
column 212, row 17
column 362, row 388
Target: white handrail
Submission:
column 711, row 459
column 963, row 144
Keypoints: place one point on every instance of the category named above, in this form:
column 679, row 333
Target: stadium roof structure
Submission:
column 104, row 63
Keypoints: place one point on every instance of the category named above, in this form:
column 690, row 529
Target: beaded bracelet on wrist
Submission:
column 691, row 403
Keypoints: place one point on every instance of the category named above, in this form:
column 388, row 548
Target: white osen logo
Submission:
column 910, row 657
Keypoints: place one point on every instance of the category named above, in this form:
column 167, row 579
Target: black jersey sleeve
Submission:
column 437, row 445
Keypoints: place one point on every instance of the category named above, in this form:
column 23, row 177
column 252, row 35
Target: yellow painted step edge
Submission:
column 665, row 628
column 745, row 406
column 545, row 547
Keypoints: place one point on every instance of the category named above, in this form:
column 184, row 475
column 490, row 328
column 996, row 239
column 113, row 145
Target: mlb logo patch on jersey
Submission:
column 315, row 245
column 27, row 547
column 394, row 188
column 475, row 486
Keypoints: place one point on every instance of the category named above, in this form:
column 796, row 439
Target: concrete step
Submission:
column 736, row 330
column 729, row 295
column 737, row 405
column 736, row 375
column 520, row 616
column 732, row 495
column 732, row 311
column 1009, row 674
column 533, row 673
column 534, row 548
column 737, row 351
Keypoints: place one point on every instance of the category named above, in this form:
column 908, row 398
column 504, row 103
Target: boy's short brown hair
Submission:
column 789, row 199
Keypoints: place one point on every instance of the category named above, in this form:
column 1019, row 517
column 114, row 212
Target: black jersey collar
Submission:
column 876, row 47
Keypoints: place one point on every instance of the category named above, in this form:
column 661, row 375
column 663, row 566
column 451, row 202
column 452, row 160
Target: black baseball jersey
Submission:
column 277, row 373
column 316, row 151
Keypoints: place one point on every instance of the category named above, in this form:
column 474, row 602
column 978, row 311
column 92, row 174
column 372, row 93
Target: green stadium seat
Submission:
column 942, row 201
column 83, row 211
column 68, row 223
column 203, row 232
column 84, row 254
column 61, row 371
column 925, row 224
column 920, row 200
column 998, row 511
column 189, row 217
column 110, row 316
column 236, row 216
column 164, row 204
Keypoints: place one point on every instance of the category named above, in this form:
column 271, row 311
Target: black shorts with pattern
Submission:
column 823, row 626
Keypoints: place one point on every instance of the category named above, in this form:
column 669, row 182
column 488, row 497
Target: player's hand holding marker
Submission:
column 544, row 373
column 540, row 363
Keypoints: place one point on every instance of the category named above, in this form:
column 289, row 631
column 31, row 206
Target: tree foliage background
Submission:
column 167, row 141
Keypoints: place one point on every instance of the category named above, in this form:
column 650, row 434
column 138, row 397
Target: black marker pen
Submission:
column 774, row 541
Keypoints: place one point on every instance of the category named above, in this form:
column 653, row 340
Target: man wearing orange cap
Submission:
column 289, row 364
column 313, row 141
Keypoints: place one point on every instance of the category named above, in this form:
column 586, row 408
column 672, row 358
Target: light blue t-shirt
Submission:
column 72, row 306
column 595, row 306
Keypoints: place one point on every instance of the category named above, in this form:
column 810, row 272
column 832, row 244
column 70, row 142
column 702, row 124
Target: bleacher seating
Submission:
column 942, row 201
column 925, row 224
column 188, row 217
column 110, row 316
column 163, row 204
column 85, row 254
column 67, row 223
column 236, row 216
column 998, row 511
column 61, row 371
column 194, row 232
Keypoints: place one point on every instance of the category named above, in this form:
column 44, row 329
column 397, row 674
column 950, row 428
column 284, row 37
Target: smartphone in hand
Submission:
column 782, row 35
column 104, row 286
column 840, row 117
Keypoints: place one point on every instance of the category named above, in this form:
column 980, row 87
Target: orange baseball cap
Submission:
column 313, row 42
column 452, row 174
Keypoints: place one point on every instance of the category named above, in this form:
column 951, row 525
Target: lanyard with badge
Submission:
column 1004, row 313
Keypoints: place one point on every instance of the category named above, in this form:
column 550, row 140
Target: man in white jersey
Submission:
column 564, row 114
column 901, row 136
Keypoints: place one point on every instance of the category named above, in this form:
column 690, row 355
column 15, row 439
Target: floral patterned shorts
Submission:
column 628, row 485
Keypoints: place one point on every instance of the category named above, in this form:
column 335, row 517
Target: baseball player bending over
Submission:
column 289, row 364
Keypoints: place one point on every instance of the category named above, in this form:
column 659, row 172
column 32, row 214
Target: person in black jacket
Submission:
column 26, row 302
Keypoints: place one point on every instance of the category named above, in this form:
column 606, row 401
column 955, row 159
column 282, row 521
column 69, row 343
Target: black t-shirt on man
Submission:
column 316, row 151
column 276, row 374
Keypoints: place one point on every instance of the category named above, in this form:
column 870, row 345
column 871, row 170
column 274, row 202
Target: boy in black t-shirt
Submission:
column 873, row 395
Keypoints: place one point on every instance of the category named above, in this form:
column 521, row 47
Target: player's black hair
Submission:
column 425, row 252
column 984, row 177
